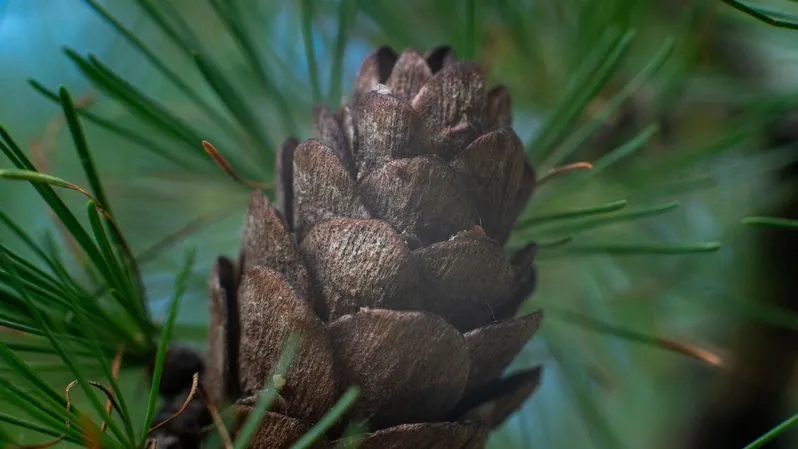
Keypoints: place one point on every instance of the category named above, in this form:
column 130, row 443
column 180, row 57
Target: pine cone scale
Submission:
column 322, row 187
column 371, row 346
column 495, row 164
column 495, row 402
column 387, row 128
column 266, row 242
column 277, row 431
column 270, row 313
column 359, row 263
column 492, row 348
column 422, row 198
column 410, row 73
column 375, row 70
column 445, row 435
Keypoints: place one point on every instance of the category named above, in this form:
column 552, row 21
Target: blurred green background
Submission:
column 615, row 308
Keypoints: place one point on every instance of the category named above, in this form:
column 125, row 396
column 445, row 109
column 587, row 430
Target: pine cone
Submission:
column 386, row 258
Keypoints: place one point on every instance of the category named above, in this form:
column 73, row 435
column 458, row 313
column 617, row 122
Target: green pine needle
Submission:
column 602, row 434
column 126, row 262
column 27, row 240
column 770, row 17
column 770, row 221
column 587, row 322
column 45, row 391
column 163, row 345
column 169, row 30
column 65, row 354
column 574, row 214
column 50, row 423
column 138, row 103
column 79, row 138
column 101, row 254
column 578, row 137
column 156, row 62
column 239, row 108
column 306, row 15
column 329, row 419
column 118, row 282
column 633, row 249
column 35, row 427
column 583, row 86
column 595, row 222
column 774, row 432
column 43, row 185
column 231, row 16
column 41, row 178
column 347, row 12
column 129, row 135
column 92, row 337
column 625, row 150
column 470, row 30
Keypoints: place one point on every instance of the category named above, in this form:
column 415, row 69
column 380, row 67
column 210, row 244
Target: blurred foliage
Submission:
column 667, row 100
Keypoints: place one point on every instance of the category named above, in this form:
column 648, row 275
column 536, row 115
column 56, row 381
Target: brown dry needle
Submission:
column 555, row 172
column 692, row 351
column 224, row 434
column 189, row 398
column 115, row 365
column 225, row 166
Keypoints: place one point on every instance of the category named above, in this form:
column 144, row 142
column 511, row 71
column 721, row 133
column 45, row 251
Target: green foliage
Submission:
column 773, row 17
column 163, row 346
column 573, row 69
column 770, row 221
column 776, row 431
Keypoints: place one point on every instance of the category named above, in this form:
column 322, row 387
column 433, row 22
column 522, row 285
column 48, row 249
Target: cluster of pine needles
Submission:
column 83, row 316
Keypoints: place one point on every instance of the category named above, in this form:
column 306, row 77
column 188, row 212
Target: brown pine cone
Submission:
column 386, row 259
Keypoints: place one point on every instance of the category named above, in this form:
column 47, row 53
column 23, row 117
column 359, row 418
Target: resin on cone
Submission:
column 385, row 256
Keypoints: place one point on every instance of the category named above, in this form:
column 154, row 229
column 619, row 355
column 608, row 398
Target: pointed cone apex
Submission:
column 409, row 74
column 452, row 106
